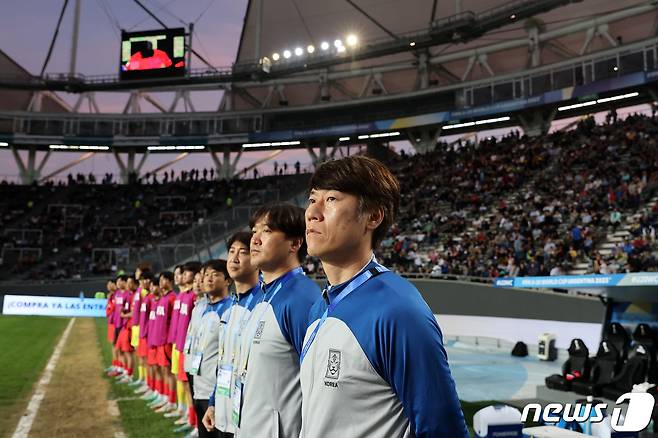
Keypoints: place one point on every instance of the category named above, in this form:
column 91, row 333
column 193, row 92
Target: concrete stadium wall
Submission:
column 462, row 308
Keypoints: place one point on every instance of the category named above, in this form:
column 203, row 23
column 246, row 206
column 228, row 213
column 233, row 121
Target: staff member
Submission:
column 203, row 363
column 248, row 294
column 373, row 362
column 267, row 398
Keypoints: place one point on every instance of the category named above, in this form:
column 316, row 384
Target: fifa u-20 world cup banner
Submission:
column 53, row 306
column 578, row 281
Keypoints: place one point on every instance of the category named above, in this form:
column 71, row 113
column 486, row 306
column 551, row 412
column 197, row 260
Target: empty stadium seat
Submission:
column 617, row 335
column 633, row 372
column 645, row 336
column 605, row 366
column 576, row 367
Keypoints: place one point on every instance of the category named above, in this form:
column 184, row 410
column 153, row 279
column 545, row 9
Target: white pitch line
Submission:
column 25, row 425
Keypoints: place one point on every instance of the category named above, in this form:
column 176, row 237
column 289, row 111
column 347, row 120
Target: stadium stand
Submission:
column 513, row 206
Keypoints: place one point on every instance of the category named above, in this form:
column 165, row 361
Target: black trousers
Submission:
column 201, row 406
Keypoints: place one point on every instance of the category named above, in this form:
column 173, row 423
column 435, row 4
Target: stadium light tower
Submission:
column 352, row 40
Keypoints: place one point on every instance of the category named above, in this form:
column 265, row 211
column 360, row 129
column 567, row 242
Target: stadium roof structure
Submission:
column 564, row 32
column 388, row 70
column 18, row 100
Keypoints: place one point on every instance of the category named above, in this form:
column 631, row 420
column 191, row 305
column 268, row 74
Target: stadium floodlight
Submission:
column 340, row 49
column 267, row 144
column 299, row 51
column 576, row 105
column 498, row 119
column 344, row 139
column 78, row 147
column 310, row 48
column 324, row 45
column 478, row 122
column 352, row 40
column 412, row 44
column 385, row 134
column 338, row 43
column 379, row 135
column 287, row 54
column 190, row 148
column 275, row 56
column 4, row 144
column 618, row 97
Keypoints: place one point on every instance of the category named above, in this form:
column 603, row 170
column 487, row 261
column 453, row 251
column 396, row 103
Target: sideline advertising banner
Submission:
column 53, row 306
column 578, row 281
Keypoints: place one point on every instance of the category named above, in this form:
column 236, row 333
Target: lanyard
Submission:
column 206, row 329
column 351, row 286
column 230, row 318
column 297, row 271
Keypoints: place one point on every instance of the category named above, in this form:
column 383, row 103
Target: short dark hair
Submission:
column 122, row 277
column 367, row 179
column 284, row 217
column 218, row 265
column 146, row 275
column 192, row 266
column 112, row 280
column 144, row 266
column 243, row 237
column 168, row 275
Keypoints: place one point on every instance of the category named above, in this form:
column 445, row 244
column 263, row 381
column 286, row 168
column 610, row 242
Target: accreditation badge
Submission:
column 224, row 375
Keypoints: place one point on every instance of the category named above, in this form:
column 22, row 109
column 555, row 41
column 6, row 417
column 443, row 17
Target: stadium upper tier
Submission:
column 572, row 201
column 519, row 81
column 498, row 101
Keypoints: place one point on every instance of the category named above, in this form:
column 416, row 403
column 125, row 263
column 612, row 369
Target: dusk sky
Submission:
column 27, row 27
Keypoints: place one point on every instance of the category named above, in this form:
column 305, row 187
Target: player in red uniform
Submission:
column 125, row 347
column 109, row 313
column 163, row 312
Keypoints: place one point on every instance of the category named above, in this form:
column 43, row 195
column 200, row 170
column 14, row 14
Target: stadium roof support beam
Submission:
column 601, row 30
column 132, row 105
column 183, row 95
column 168, row 163
column 224, row 168
column 90, row 97
column 549, row 35
column 372, row 20
column 128, row 169
column 424, row 139
column 30, row 172
column 537, row 122
column 73, row 163
column 318, row 158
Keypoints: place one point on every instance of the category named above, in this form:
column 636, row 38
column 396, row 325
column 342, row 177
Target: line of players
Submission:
column 251, row 347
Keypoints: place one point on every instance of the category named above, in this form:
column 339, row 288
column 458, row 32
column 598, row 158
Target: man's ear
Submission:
column 296, row 244
column 375, row 218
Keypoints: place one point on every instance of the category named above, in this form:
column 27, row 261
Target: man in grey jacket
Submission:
column 203, row 363
column 267, row 397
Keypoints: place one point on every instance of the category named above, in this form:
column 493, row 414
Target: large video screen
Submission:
column 153, row 54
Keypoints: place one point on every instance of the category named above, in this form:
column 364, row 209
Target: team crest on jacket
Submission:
column 333, row 365
column 259, row 330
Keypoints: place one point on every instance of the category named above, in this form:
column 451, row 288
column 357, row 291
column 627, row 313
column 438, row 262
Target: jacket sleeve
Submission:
column 412, row 359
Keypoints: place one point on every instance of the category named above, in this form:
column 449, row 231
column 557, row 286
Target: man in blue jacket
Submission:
column 373, row 362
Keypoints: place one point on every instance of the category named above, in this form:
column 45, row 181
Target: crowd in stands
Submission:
column 526, row 207
column 514, row 206
column 52, row 232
